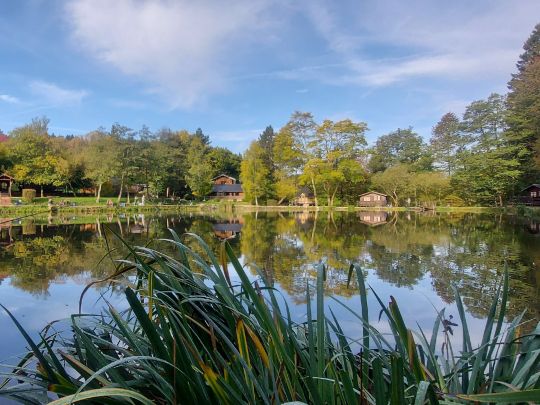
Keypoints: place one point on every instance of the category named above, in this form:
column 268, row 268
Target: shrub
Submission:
column 453, row 200
column 28, row 195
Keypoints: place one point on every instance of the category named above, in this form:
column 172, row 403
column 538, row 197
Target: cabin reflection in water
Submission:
column 373, row 218
column 228, row 229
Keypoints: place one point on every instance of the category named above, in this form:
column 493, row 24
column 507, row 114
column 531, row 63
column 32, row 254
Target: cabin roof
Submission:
column 6, row 176
column 373, row 192
column 224, row 175
column 227, row 188
column 306, row 191
column 531, row 186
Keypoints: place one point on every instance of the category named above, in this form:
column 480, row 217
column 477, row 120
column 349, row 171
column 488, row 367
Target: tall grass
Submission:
column 192, row 336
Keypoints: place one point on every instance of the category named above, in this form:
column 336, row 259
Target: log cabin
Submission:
column 225, row 188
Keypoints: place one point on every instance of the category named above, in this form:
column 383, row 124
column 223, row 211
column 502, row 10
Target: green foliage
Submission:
column 403, row 146
column 190, row 336
column 255, row 174
column 28, row 195
column 523, row 109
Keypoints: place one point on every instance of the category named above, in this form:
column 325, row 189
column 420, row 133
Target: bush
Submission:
column 28, row 194
column 454, row 201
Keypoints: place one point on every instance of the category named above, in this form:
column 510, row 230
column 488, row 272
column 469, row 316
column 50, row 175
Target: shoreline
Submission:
column 205, row 208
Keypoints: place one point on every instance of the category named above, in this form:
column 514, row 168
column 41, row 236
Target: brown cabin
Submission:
column 373, row 199
column 304, row 197
column 373, row 218
column 531, row 195
column 226, row 188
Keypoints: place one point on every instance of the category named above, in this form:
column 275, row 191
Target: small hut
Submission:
column 373, row 199
column 304, row 197
column 531, row 195
column 6, row 182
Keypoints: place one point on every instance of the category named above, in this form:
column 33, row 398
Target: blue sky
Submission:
column 233, row 67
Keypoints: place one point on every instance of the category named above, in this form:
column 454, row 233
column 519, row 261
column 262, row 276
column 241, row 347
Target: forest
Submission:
column 483, row 157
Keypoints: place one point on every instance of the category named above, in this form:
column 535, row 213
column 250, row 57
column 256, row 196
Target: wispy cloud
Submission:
column 180, row 50
column 9, row 99
column 53, row 94
column 422, row 38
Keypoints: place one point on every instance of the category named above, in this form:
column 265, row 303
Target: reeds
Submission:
column 191, row 335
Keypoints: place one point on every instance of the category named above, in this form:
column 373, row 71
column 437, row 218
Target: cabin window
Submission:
column 533, row 193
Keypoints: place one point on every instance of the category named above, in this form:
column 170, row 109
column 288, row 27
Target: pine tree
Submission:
column 524, row 109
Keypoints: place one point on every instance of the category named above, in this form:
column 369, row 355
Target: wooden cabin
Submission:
column 531, row 195
column 6, row 181
column 226, row 188
column 373, row 199
column 373, row 218
column 304, row 197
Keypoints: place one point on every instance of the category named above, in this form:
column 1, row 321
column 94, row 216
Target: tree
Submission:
column 401, row 146
column 484, row 122
column 199, row 174
column 255, row 174
column 524, row 109
column 100, row 159
column 447, row 142
column 334, row 150
column 224, row 161
column 394, row 181
column 34, row 159
column 290, row 153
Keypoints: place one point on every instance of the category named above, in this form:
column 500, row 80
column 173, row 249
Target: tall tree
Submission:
column 524, row 109
column 100, row 159
column 254, row 174
column 484, row 122
column 199, row 174
column 33, row 156
column 334, row 151
column 401, row 146
column 447, row 142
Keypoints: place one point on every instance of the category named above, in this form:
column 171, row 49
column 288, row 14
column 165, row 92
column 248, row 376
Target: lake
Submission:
column 46, row 262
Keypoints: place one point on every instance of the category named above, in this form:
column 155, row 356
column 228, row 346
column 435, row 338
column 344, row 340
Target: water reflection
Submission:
column 402, row 250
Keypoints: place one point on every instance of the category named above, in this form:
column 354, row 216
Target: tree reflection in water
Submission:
column 466, row 250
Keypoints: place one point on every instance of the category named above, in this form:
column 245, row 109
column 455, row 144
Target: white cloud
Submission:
column 432, row 39
column 9, row 99
column 53, row 94
column 180, row 50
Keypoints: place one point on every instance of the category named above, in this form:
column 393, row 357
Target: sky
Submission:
column 233, row 67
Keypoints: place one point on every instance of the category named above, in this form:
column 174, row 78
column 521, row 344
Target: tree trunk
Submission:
column 72, row 189
column 41, row 191
column 121, row 188
column 256, row 201
column 98, row 196
column 314, row 192
column 333, row 197
column 500, row 200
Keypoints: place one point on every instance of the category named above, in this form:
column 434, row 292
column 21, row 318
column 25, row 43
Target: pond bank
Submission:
column 19, row 210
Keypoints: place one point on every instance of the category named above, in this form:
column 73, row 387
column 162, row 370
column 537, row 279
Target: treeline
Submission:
column 167, row 162
column 484, row 157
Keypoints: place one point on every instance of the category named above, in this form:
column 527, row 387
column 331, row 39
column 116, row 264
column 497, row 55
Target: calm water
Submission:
column 46, row 262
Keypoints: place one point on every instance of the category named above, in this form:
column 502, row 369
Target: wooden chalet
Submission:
column 373, row 218
column 226, row 188
column 373, row 199
column 6, row 181
column 304, row 197
column 531, row 195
